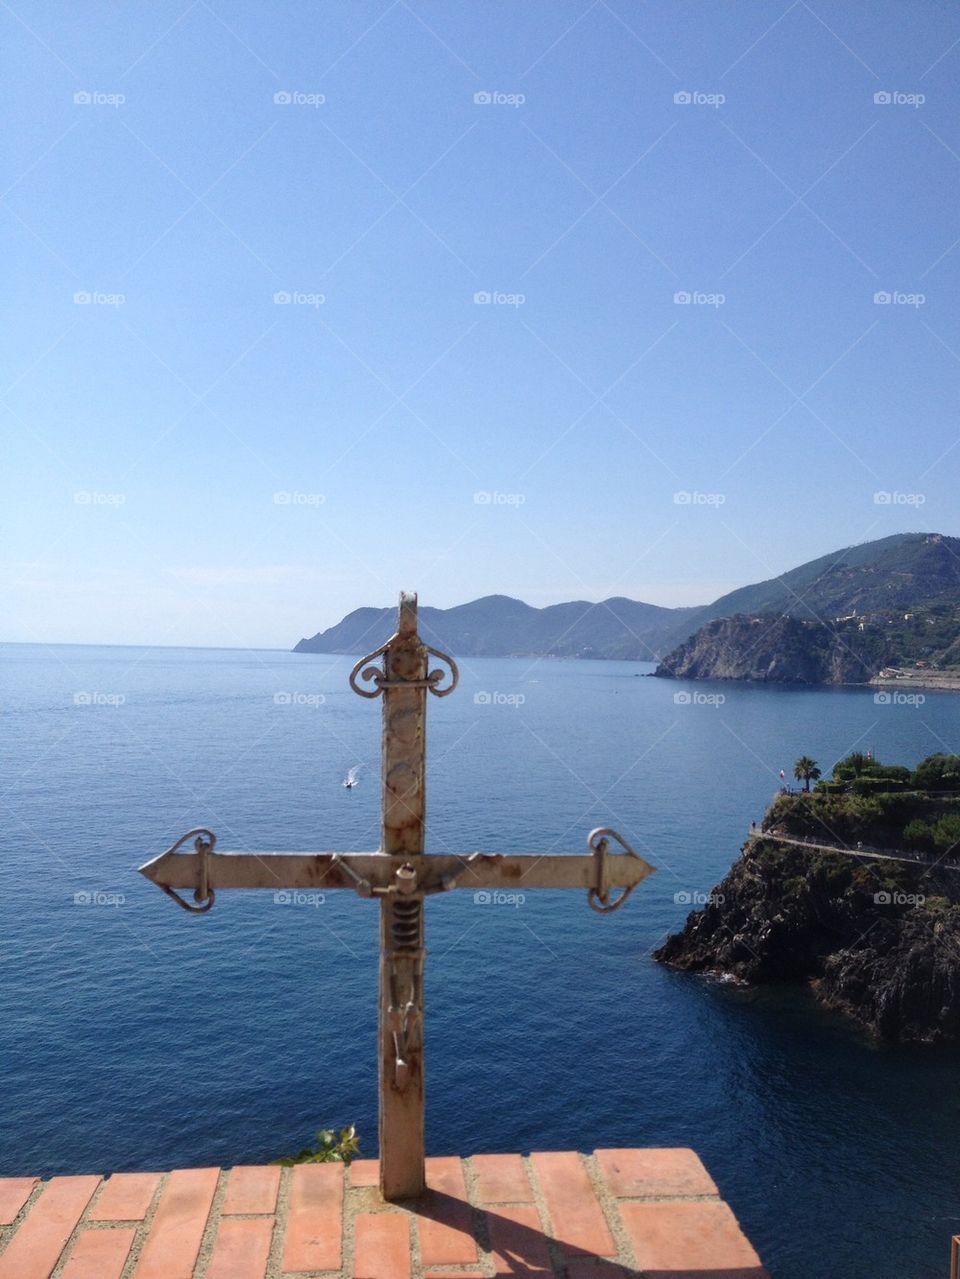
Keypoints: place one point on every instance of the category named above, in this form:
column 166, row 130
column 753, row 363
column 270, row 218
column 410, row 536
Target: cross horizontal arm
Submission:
column 375, row 873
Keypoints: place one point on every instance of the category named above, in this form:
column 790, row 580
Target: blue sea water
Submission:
column 134, row 1036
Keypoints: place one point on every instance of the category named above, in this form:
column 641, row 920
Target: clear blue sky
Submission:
column 146, row 438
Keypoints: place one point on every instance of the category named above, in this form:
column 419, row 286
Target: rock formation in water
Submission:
column 876, row 944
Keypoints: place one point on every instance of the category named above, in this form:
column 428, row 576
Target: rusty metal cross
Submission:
column 401, row 875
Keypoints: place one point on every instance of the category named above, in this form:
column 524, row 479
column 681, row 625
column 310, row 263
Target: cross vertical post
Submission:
column 402, row 951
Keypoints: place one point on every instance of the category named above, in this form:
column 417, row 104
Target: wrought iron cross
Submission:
column 401, row 875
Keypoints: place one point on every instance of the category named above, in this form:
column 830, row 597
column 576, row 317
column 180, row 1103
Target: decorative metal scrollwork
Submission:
column 376, row 676
column 598, row 897
column 372, row 673
column 434, row 677
column 204, row 842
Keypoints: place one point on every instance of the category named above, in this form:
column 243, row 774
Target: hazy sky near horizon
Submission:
column 310, row 303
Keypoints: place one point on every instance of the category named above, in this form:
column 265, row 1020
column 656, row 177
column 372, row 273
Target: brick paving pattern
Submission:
column 619, row 1214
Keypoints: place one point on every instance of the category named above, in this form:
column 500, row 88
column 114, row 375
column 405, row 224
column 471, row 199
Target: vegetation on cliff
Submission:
column 884, row 577
column 879, row 805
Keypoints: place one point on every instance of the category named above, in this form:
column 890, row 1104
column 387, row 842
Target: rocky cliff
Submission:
column 879, row 941
column 778, row 649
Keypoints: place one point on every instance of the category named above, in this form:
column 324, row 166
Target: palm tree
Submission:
column 806, row 770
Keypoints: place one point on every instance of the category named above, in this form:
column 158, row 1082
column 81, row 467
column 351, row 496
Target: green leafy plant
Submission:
column 330, row 1149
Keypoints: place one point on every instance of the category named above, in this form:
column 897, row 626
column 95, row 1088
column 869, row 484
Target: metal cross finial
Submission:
column 402, row 876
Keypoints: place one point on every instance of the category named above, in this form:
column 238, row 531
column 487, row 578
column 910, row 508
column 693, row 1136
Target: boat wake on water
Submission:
column 352, row 778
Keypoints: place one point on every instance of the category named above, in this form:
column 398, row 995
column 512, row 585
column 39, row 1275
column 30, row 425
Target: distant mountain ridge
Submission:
column 499, row 626
column 875, row 582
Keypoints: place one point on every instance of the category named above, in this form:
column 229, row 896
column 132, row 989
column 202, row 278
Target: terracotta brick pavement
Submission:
column 618, row 1214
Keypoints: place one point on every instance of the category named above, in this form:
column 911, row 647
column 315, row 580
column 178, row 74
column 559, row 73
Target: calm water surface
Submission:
column 134, row 1036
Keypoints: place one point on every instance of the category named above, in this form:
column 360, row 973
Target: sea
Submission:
column 136, row 1036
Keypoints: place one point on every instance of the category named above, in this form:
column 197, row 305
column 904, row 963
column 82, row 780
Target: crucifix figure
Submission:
column 401, row 875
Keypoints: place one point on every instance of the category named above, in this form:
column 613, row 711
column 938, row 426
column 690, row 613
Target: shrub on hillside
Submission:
column 946, row 833
column 938, row 772
column 918, row 834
